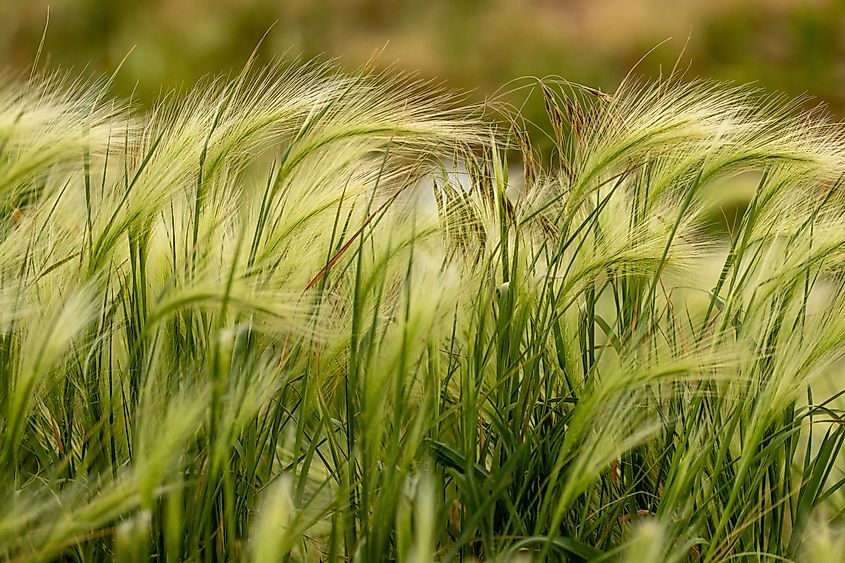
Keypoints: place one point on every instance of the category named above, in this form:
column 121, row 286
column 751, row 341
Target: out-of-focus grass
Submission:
column 471, row 43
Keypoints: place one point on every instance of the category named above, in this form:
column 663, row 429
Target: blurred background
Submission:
column 794, row 46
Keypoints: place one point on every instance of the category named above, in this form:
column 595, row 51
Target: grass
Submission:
column 230, row 332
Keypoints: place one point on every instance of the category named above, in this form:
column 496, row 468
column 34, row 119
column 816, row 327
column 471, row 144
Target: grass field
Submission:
column 230, row 331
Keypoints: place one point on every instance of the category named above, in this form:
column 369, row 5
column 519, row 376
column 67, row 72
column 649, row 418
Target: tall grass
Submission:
column 231, row 331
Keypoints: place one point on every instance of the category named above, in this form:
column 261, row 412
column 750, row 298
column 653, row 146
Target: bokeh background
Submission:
column 793, row 46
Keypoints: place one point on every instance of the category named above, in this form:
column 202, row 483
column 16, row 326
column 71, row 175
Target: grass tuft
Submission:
column 304, row 315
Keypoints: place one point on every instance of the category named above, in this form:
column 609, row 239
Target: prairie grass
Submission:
column 230, row 333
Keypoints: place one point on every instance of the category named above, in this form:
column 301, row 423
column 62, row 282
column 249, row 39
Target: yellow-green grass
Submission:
column 228, row 332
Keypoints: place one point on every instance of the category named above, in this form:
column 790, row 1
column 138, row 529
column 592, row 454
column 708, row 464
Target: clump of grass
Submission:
column 228, row 332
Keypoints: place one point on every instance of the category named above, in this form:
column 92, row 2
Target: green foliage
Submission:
column 307, row 315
